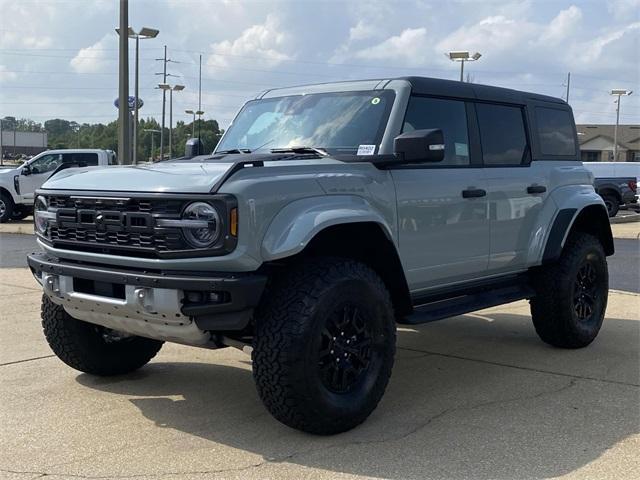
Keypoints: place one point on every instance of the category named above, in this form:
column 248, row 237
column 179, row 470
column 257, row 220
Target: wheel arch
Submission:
column 592, row 219
column 364, row 237
column 8, row 193
column 610, row 191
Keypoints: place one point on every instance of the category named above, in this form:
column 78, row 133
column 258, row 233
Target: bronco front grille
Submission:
column 115, row 224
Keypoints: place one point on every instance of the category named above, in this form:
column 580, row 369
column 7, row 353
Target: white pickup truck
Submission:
column 18, row 185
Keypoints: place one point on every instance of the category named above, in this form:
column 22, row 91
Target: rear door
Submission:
column 443, row 232
column 517, row 188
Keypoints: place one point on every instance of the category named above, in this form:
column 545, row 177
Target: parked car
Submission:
column 616, row 183
column 327, row 214
column 18, row 184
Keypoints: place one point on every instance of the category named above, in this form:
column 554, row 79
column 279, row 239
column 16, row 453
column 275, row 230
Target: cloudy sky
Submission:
column 58, row 58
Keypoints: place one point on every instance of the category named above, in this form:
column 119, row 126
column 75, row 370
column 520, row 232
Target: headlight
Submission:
column 41, row 215
column 201, row 224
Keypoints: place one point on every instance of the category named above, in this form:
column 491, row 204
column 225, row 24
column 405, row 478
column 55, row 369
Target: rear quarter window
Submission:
column 555, row 131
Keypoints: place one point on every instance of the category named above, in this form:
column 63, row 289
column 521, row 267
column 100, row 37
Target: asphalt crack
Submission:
column 518, row 367
column 25, row 360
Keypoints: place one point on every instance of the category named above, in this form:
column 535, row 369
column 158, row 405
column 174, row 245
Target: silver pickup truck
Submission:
column 328, row 214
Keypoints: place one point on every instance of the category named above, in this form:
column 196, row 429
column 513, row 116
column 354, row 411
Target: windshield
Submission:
column 337, row 122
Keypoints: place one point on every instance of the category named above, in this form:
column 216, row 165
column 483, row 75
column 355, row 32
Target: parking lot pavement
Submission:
column 477, row 396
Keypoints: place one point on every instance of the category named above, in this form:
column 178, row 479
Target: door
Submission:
column 517, row 189
column 36, row 173
column 442, row 210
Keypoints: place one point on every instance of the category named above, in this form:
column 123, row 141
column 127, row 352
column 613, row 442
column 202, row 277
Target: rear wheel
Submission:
column 324, row 345
column 571, row 295
column 612, row 205
column 6, row 207
column 91, row 348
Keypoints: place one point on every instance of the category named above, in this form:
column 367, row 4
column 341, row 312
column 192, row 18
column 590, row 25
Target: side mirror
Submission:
column 419, row 146
column 26, row 170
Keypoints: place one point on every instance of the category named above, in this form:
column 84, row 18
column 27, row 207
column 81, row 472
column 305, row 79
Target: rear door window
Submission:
column 82, row 159
column 555, row 131
column 502, row 134
column 450, row 116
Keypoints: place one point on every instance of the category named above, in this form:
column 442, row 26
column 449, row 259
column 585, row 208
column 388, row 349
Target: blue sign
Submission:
column 131, row 101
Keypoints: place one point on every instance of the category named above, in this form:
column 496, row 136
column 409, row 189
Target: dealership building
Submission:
column 28, row 143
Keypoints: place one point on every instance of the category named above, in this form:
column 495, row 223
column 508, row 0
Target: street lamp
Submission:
column 193, row 124
column 619, row 92
column 462, row 56
column 152, row 131
column 171, row 88
column 143, row 34
column 194, row 113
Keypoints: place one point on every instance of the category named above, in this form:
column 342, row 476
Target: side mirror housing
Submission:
column 419, row 146
column 26, row 170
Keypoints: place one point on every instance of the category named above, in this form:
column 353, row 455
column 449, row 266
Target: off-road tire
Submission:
column 291, row 326
column 555, row 313
column 83, row 345
column 6, row 207
column 612, row 205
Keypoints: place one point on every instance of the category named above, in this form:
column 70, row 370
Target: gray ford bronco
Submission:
column 328, row 214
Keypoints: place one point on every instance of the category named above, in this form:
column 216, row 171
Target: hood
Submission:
column 202, row 174
column 167, row 177
column 5, row 170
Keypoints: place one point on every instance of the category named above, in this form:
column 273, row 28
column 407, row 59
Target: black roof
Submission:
column 451, row 88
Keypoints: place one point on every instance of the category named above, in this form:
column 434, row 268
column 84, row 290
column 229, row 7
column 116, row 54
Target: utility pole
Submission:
column 164, row 100
column 568, row 85
column 165, row 75
column 124, row 140
column 199, row 102
column 618, row 92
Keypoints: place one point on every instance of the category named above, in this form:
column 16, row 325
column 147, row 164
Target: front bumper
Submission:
column 215, row 302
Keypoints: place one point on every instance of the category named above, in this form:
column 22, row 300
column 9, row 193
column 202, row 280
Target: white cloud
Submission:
column 361, row 31
column 592, row 50
column 266, row 41
column 562, row 26
column 410, row 46
column 92, row 59
column 6, row 75
column 492, row 34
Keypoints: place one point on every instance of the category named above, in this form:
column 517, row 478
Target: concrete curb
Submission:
column 24, row 227
column 626, row 218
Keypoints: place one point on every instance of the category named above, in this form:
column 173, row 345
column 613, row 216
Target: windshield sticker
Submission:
column 375, row 101
column 366, row 149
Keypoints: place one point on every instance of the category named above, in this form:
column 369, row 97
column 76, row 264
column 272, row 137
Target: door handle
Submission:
column 536, row 189
column 473, row 193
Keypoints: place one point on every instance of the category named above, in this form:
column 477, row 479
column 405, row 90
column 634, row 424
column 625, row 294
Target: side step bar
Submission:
column 460, row 304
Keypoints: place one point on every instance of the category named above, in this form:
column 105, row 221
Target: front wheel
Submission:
column 324, row 345
column 91, row 348
column 571, row 295
column 6, row 207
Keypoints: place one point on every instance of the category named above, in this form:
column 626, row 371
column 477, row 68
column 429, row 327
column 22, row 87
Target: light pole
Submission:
column 124, row 145
column 152, row 131
column 193, row 124
column 619, row 92
column 462, row 56
column 143, row 34
column 171, row 88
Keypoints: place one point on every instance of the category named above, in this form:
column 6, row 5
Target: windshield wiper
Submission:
column 234, row 150
column 320, row 151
